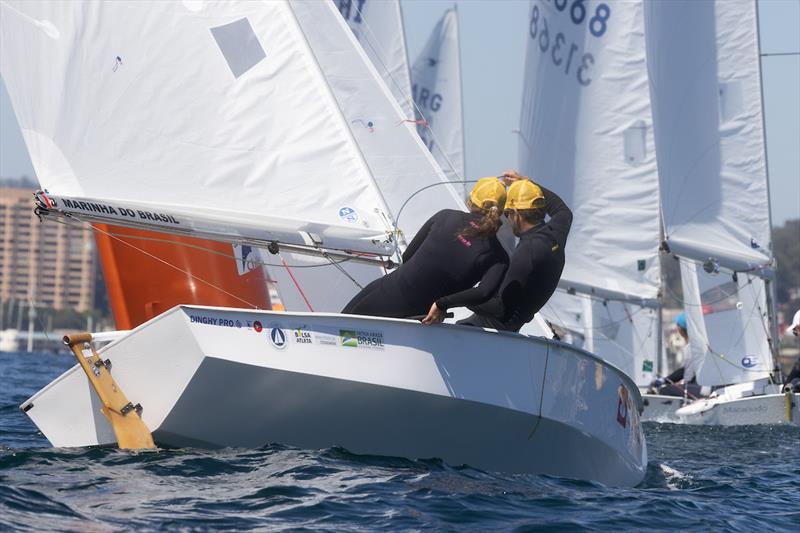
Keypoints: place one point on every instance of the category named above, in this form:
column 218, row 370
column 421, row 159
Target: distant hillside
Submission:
column 786, row 247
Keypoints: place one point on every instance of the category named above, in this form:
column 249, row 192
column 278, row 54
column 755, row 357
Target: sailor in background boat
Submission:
column 671, row 385
column 452, row 252
column 794, row 373
column 537, row 261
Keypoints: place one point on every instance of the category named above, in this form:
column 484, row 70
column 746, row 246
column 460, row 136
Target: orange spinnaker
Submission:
column 141, row 287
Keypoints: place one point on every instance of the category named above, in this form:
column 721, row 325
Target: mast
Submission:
column 769, row 283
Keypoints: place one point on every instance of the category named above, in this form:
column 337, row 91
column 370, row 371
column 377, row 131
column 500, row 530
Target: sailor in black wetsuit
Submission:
column 537, row 261
column 673, row 384
column 452, row 252
column 793, row 379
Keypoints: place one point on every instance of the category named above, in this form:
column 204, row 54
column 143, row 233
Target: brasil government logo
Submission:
column 348, row 338
column 278, row 338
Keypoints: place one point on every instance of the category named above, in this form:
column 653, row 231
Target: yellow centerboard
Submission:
column 130, row 430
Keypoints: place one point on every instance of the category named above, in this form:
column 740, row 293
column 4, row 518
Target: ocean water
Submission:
column 739, row 479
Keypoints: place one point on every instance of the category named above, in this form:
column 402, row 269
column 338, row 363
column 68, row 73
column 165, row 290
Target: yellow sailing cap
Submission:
column 524, row 194
column 488, row 192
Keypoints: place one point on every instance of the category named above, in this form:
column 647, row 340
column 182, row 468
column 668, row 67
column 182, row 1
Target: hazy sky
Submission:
column 493, row 40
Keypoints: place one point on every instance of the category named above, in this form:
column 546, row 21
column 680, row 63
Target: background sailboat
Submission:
column 436, row 86
column 707, row 109
column 378, row 26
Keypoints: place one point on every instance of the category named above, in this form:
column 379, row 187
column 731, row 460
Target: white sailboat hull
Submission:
column 217, row 377
column 744, row 404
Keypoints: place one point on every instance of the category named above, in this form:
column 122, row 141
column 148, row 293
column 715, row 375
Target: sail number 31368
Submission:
column 561, row 52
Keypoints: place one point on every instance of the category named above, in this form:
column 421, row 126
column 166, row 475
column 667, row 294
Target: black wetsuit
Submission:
column 534, row 272
column 440, row 265
column 674, row 388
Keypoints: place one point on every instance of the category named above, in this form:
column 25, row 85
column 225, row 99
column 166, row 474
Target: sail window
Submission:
column 239, row 45
column 635, row 143
column 730, row 100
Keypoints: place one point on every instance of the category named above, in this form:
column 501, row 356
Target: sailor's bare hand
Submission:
column 510, row 176
column 434, row 316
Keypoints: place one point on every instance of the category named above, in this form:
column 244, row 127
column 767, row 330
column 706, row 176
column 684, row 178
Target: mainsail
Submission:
column 436, row 85
column 210, row 120
column 378, row 26
column 705, row 86
column 586, row 132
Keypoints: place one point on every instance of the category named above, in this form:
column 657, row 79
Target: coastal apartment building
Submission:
column 48, row 263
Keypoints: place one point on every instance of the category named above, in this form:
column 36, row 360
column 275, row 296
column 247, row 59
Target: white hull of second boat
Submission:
column 216, row 377
column 744, row 404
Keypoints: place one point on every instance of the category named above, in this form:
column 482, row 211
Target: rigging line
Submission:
column 421, row 189
column 721, row 356
column 749, row 318
column 686, row 176
column 701, row 304
column 562, row 322
column 413, row 103
column 764, row 315
column 167, row 263
column 342, row 270
column 33, row 306
column 622, row 348
column 202, row 248
column 39, row 319
column 299, row 289
column 774, row 54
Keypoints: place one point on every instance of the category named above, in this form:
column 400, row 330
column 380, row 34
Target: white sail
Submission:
column 624, row 334
column 705, row 84
column 189, row 109
column 378, row 26
column 727, row 320
column 586, row 132
column 706, row 93
column 406, row 174
column 436, row 85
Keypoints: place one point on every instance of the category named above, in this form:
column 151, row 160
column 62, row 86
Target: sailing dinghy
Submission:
column 705, row 85
column 248, row 122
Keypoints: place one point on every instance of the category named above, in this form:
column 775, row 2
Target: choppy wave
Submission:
column 698, row 477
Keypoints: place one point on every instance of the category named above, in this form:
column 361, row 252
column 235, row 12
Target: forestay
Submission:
column 215, row 116
column 436, row 85
column 378, row 26
column 705, row 84
column 586, row 132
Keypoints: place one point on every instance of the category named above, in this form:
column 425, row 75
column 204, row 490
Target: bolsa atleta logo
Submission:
column 361, row 339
